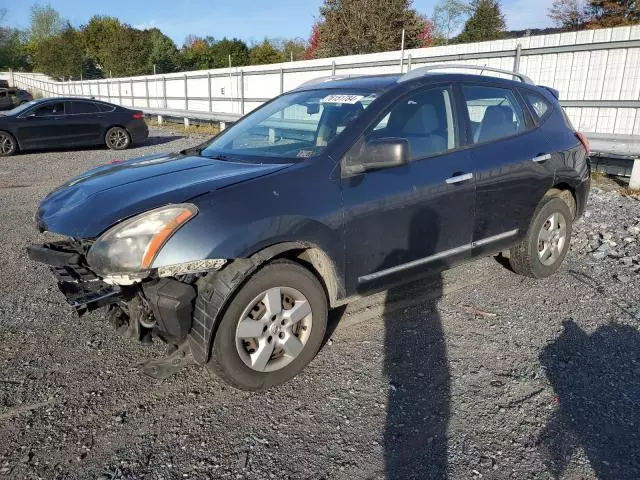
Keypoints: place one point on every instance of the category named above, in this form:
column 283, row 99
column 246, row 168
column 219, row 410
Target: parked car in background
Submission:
column 4, row 84
column 342, row 187
column 6, row 101
column 69, row 122
column 20, row 96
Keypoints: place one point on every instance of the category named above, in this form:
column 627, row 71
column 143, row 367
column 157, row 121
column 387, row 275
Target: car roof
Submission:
column 76, row 99
column 388, row 81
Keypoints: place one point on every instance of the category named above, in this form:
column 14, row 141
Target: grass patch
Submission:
column 195, row 128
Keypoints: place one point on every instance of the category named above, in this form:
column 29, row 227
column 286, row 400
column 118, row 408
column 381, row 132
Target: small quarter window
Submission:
column 539, row 106
column 494, row 113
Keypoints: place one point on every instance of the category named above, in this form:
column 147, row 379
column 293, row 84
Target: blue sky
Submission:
column 250, row 20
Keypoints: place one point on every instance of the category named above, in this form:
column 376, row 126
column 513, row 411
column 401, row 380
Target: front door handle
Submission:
column 459, row 178
column 542, row 158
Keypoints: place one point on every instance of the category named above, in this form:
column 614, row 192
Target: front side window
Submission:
column 425, row 119
column 494, row 113
column 296, row 125
column 50, row 109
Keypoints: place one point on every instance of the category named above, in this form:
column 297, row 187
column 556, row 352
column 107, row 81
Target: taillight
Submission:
column 584, row 142
column 138, row 115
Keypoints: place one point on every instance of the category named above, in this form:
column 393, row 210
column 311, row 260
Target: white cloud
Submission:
column 147, row 25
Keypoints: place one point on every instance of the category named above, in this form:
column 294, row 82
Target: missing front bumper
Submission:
column 82, row 288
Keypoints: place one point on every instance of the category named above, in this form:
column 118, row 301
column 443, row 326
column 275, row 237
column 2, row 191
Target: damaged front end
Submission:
column 138, row 308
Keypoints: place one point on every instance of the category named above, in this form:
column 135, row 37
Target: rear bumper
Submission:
column 138, row 131
column 82, row 288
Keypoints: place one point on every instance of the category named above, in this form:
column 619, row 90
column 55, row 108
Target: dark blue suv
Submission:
column 237, row 248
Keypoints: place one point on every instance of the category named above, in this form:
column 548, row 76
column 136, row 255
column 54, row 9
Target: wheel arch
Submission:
column 567, row 193
column 217, row 289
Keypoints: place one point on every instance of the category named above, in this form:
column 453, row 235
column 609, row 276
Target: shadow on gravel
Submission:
column 597, row 380
column 416, row 365
column 158, row 140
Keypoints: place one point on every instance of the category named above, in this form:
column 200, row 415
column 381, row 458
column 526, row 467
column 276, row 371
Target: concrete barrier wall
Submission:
column 596, row 71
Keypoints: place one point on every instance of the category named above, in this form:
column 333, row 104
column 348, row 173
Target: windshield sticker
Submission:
column 305, row 153
column 342, row 99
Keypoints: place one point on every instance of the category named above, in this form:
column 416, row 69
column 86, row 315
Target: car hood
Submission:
column 87, row 205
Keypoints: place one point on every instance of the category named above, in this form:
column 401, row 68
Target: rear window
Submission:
column 83, row 107
column 539, row 106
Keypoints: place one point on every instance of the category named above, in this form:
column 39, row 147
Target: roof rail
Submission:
column 330, row 78
column 419, row 72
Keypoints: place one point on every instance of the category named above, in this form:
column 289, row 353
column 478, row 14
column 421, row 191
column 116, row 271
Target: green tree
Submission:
column 365, row 26
column 264, row 53
column 235, row 47
column 46, row 22
column 448, row 17
column 604, row 14
column 97, row 36
column 294, row 47
column 196, row 54
column 60, row 56
column 164, row 53
column 486, row 23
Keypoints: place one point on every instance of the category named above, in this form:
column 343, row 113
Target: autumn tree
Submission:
column 486, row 22
column 351, row 27
column 314, row 42
column 602, row 13
column 568, row 14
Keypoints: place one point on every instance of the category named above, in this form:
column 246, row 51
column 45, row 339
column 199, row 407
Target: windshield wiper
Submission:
column 214, row 156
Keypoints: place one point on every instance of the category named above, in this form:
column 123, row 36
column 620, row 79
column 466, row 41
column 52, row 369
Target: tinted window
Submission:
column 425, row 119
column 494, row 113
column 105, row 107
column 539, row 105
column 83, row 107
column 50, row 109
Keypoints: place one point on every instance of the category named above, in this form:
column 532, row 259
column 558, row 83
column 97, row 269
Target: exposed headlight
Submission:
column 132, row 245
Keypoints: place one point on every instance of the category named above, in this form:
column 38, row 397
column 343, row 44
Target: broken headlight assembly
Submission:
column 131, row 246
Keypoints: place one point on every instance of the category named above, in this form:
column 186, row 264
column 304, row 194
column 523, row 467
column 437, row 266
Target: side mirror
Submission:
column 376, row 154
column 313, row 108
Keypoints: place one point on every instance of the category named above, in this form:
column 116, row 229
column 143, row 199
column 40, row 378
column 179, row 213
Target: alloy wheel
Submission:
column 118, row 138
column 7, row 144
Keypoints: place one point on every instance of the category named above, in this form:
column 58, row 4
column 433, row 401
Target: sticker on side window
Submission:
column 342, row 99
column 305, row 153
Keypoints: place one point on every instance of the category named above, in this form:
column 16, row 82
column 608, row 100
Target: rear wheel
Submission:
column 272, row 328
column 8, row 144
column 117, row 138
column 541, row 253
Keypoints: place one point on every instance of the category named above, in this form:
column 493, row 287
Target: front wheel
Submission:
column 272, row 329
column 8, row 144
column 117, row 138
column 541, row 253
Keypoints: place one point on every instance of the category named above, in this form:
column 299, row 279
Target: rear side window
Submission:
column 83, row 107
column 494, row 113
column 425, row 119
column 539, row 105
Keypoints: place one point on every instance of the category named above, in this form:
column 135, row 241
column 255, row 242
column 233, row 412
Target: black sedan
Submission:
column 70, row 122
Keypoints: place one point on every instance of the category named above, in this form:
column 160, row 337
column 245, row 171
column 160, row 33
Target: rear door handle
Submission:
column 459, row 178
column 542, row 158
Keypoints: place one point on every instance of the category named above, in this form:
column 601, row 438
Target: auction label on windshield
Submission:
column 342, row 99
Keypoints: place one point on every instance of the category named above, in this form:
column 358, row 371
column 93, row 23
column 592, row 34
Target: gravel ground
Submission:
column 479, row 373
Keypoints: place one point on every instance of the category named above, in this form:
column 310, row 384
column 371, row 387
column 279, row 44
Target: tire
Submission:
column 117, row 138
column 8, row 144
column 250, row 313
column 540, row 254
